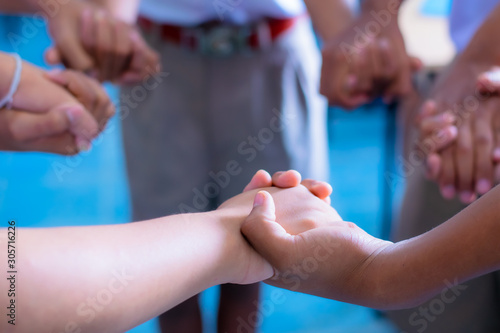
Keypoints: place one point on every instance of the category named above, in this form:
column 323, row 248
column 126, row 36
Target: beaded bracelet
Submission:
column 7, row 100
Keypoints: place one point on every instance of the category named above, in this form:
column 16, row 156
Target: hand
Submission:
column 287, row 179
column 88, row 92
column 468, row 165
column 359, row 66
column 87, row 38
column 327, row 259
column 45, row 116
column 297, row 206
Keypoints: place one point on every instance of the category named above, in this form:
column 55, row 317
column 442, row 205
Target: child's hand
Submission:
column 290, row 178
column 47, row 117
column 446, row 131
column 88, row 92
column 89, row 39
column 297, row 208
column 328, row 257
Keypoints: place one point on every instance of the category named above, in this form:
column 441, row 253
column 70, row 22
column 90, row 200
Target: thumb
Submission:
column 72, row 53
column 266, row 236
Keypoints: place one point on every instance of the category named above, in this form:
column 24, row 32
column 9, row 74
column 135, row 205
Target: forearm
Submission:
column 329, row 17
column 464, row 247
column 126, row 10
column 112, row 278
column 484, row 46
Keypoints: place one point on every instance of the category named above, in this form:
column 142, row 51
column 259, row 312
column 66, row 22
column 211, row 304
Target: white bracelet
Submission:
column 7, row 100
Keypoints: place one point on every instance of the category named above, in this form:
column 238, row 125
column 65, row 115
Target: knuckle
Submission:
column 464, row 148
column 483, row 139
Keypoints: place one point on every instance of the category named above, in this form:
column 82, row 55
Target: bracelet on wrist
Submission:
column 7, row 100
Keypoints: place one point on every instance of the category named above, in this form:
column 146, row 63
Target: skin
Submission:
column 88, row 39
column 338, row 260
column 469, row 167
column 207, row 245
column 59, row 112
column 359, row 65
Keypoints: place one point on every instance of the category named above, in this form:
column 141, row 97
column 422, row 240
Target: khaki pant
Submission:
column 197, row 138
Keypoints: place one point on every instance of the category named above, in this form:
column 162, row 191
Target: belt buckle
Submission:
column 220, row 41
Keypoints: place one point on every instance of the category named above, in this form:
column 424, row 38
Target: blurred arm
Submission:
column 464, row 247
column 329, row 17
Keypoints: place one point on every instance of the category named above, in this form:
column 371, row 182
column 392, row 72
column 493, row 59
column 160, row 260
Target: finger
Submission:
column 105, row 45
column 62, row 144
column 82, row 125
column 429, row 108
column 433, row 164
column 436, row 123
column 26, row 126
column 266, row 236
column 387, row 61
column 69, row 81
column 401, row 85
column 320, row 189
column 286, row 179
column 488, row 83
column 123, row 49
column 464, row 163
column 447, row 174
column 363, row 72
column 484, row 145
column 88, row 33
column 135, row 71
column 261, row 179
column 52, row 56
column 72, row 52
column 105, row 109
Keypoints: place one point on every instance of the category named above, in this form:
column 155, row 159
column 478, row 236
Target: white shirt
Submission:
column 466, row 17
column 194, row 12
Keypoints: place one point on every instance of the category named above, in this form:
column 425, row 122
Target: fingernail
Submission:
column 448, row 192
column 71, row 116
column 483, row 186
column 466, row 197
column 259, row 199
column 453, row 131
column 83, row 144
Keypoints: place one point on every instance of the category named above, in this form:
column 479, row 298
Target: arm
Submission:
column 463, row 248
column 467, row 167
column 354, row 267
column 111, row 278
column 329, row 17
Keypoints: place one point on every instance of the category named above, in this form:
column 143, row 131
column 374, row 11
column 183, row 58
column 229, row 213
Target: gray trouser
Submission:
column 197, row 138
column 476, row 307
